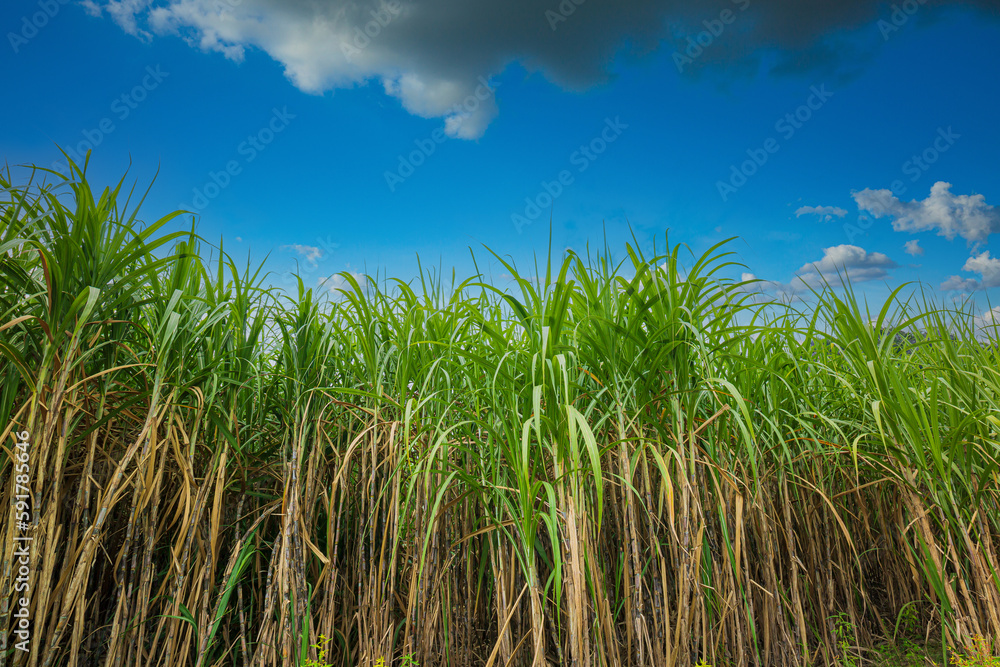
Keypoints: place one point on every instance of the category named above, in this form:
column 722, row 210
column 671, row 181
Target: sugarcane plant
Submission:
column 610, row 460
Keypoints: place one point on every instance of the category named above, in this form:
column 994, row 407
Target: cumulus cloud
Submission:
column 960, row 284
column 825, row 213
column 843, row 261
column 430, row 54
column 988, row 269
column 986, row 266
column 311, row 254
column 850, row 261
column 913, row 248
column 950, row 215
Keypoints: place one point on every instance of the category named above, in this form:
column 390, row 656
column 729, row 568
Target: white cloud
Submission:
column 950, row 215
column 311, row 254
column 913, row 248
column 849, row 261
column 988, row 269
column 960, row 284
column 988, row 322
column 825, row 213
column 90, row 7
column 785, row 292
column 124, row 13
column 986, row 266
column 338, row 282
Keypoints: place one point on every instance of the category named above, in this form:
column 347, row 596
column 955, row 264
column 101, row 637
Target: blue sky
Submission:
column 292, row 147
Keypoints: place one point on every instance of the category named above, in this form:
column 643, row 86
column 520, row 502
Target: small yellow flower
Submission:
column 981, row 654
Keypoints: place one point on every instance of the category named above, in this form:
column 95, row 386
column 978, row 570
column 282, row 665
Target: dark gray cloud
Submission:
column 431, row 53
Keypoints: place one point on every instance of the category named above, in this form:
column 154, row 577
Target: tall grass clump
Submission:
column 606, row 464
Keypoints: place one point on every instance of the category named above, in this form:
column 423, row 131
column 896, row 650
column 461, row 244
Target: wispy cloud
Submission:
column 311, row 254
column 825, row 213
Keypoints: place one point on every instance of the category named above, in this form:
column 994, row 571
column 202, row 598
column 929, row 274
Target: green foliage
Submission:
column 907, row 624
column 406, row 661
column 613, row 455
column 844, row 632
column 320, row 660
column 981, row 653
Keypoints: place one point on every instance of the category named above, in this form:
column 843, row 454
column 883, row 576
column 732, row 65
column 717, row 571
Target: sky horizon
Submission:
column 354, row 136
